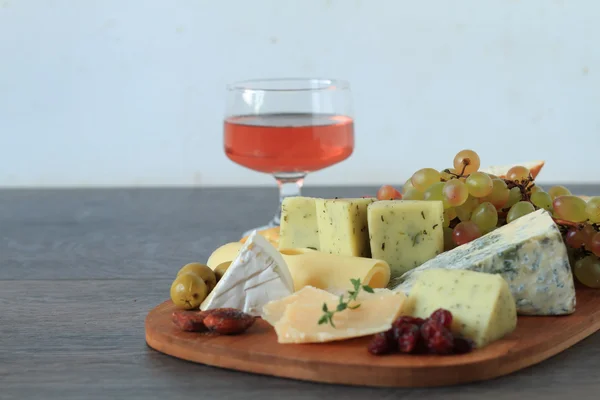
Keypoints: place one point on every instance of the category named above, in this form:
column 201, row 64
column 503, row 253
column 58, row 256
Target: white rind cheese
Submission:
column 256, row 276
column 530, row 255
column 482, row 307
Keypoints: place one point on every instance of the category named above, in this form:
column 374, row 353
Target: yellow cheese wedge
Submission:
column 332, row 272
column 481, row 304
column 299, row 321
column 309, row 267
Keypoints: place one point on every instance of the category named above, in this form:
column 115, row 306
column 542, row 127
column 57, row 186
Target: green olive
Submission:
column 204, row 272
column 188, row 291
column 220, row 269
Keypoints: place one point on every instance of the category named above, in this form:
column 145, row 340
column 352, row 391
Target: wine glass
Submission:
column 287, row 128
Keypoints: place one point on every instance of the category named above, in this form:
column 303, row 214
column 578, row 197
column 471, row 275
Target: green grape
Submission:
column 479, row 184
column 424, row 178
column 542, row 200
column 485, row 217
column 587, row 271
column 435, row 192
column 592, row 209
column 519, row 209
column 455, row 192
column 449, row 215
column 467, row 161
column 499, row 194
column 535, row 189
column 465, row 232
column 570, row 208
column 556, row 191
column 514, row 196
column 413, row 194
column 448, row 241
column 407, row 186
column 517, row 173
column 464, row 211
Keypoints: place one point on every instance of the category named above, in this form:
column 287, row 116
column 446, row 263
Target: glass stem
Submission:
column 289, row 186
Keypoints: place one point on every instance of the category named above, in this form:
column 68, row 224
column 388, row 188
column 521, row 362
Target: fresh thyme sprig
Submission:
column 327, row 316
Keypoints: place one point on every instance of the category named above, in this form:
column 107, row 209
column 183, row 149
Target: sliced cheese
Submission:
column 406, row 233
column 333, row 272
column 298, row 223
column 256, row 276
column 482, row 307
column 343, row 226
column 299, row 322
column 273, row 311
column 225, row 253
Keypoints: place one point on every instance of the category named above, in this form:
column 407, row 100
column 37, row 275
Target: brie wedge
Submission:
column 256, row 276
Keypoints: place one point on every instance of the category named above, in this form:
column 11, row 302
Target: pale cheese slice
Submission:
column 299, row 321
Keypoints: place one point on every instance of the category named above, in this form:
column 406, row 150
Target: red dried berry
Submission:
column 441, row 341
column 429, row 327
column 409, row 320
column 444, row 317
column 379, row 344
column 462, row 346
column 408, row 337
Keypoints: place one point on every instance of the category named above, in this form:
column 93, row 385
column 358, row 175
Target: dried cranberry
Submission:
column 462, row 345
column 407, row 337
column 409, row 320
column 429, row 327
column 441, row 341
column 379, row 344
column 444, row 317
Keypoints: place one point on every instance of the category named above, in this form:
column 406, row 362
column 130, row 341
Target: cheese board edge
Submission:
column 527, row 346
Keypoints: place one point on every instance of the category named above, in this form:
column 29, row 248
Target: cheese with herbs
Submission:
column 406, row 233
column 296, row 317
column 529, row 253
column 343, row 226
column 482, row 307
column 298, row 226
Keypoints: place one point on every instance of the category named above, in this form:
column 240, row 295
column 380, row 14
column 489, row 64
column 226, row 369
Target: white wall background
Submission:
column 131, row 92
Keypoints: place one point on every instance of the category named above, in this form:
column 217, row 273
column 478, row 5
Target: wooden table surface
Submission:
column 80, row 269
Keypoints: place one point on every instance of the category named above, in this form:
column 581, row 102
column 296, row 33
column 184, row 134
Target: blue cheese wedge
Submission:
column 256, row 276
column 529, row 253
column 405, row 233
column 482, row 307
column 343, row 226
column 298, row 228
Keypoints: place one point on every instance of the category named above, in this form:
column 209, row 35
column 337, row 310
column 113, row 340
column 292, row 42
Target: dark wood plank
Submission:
column 85, row 339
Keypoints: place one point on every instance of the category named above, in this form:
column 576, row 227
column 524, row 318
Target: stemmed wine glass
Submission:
column 288, row 128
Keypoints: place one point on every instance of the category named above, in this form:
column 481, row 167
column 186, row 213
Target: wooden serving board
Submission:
column 348, row 362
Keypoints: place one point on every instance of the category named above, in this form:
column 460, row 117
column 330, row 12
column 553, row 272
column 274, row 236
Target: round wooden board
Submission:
column 348, row 362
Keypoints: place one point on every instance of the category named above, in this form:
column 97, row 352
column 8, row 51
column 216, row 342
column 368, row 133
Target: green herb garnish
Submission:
column 327, row 316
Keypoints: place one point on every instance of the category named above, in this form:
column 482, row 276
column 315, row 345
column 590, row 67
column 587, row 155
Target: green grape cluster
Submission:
column 476, row 203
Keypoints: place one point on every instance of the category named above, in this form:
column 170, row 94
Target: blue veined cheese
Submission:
column 343, row 226
column 528, row 252
column 482, row 307
column 405, row 233
column 298, row 228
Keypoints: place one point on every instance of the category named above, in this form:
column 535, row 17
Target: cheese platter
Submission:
column 466, row 275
